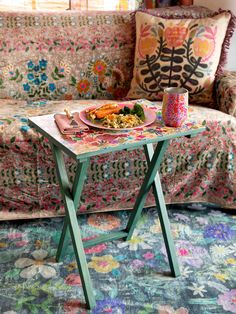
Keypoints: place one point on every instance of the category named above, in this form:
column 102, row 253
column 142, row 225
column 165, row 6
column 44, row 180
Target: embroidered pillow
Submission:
column 177, row 53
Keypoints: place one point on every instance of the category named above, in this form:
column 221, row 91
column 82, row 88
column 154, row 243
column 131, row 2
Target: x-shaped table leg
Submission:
column 71, row 202
column 152, row 179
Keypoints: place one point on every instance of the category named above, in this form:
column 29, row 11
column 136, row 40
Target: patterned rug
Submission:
column 128, row 277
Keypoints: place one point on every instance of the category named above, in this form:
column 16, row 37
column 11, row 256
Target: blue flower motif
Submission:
column 37, row 81
column 116, row 272
column 36, row 68
column 30, row 76
column 63, row 90
column 109, row 306
column 26, row 87
column 51, row 87
column 120, row 257
column 24, row 128
column 43, row 64
column 219, row 231
column 30, row 64
column 23, row 119
column 44, row 77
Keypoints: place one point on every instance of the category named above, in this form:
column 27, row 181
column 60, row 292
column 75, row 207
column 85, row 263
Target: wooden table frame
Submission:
column 71, row 198
column 71, row 201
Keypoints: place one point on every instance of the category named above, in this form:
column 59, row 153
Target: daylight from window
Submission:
column 69, row 4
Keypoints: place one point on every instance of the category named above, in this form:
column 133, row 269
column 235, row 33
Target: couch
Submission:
column 49, row 61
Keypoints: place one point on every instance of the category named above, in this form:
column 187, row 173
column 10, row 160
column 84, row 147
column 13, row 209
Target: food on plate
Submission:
column 121, row 121
column 114, row 116
column 137, row 110
column 101, row 112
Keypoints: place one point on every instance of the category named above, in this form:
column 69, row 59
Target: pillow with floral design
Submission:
column 178, row 53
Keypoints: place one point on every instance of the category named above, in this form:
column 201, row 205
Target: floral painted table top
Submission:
column 94, row 141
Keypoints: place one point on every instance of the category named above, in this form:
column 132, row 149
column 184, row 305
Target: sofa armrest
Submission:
column 226, row 92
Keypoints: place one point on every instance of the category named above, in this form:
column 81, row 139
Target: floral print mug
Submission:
column 175, row 106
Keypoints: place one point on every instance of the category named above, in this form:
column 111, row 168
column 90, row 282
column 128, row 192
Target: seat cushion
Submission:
column 200, row 169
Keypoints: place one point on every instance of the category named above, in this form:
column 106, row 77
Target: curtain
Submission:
column 69, row 4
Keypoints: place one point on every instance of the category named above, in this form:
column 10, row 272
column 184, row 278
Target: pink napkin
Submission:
column 69, row 126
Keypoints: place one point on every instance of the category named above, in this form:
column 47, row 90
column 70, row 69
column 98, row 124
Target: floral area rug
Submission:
column 128, row 277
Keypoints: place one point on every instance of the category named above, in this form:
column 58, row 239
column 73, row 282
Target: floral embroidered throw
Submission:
column 65, row 55
column 177, row 53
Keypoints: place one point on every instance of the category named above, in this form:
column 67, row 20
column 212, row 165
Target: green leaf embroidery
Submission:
column 73, row 80
column 13, row 139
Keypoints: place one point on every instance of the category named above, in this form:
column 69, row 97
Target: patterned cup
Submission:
column 175, row 106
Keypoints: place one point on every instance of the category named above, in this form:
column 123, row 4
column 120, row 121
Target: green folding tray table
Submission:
column 79, row 147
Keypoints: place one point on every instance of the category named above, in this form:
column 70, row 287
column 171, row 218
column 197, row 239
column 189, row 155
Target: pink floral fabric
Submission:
column 67, row 55
column 201, row 169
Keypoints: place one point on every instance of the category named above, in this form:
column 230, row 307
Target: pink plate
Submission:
column 150, row 117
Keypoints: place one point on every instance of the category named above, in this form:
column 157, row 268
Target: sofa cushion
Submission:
column 178, row 53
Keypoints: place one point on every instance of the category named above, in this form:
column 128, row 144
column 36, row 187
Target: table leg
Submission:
column 76, row 193
column 163, row 216
column 71, row 220
column 152, row 179
column 64, row 239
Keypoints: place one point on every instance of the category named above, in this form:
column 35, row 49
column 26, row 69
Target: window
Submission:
column 69, row 4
